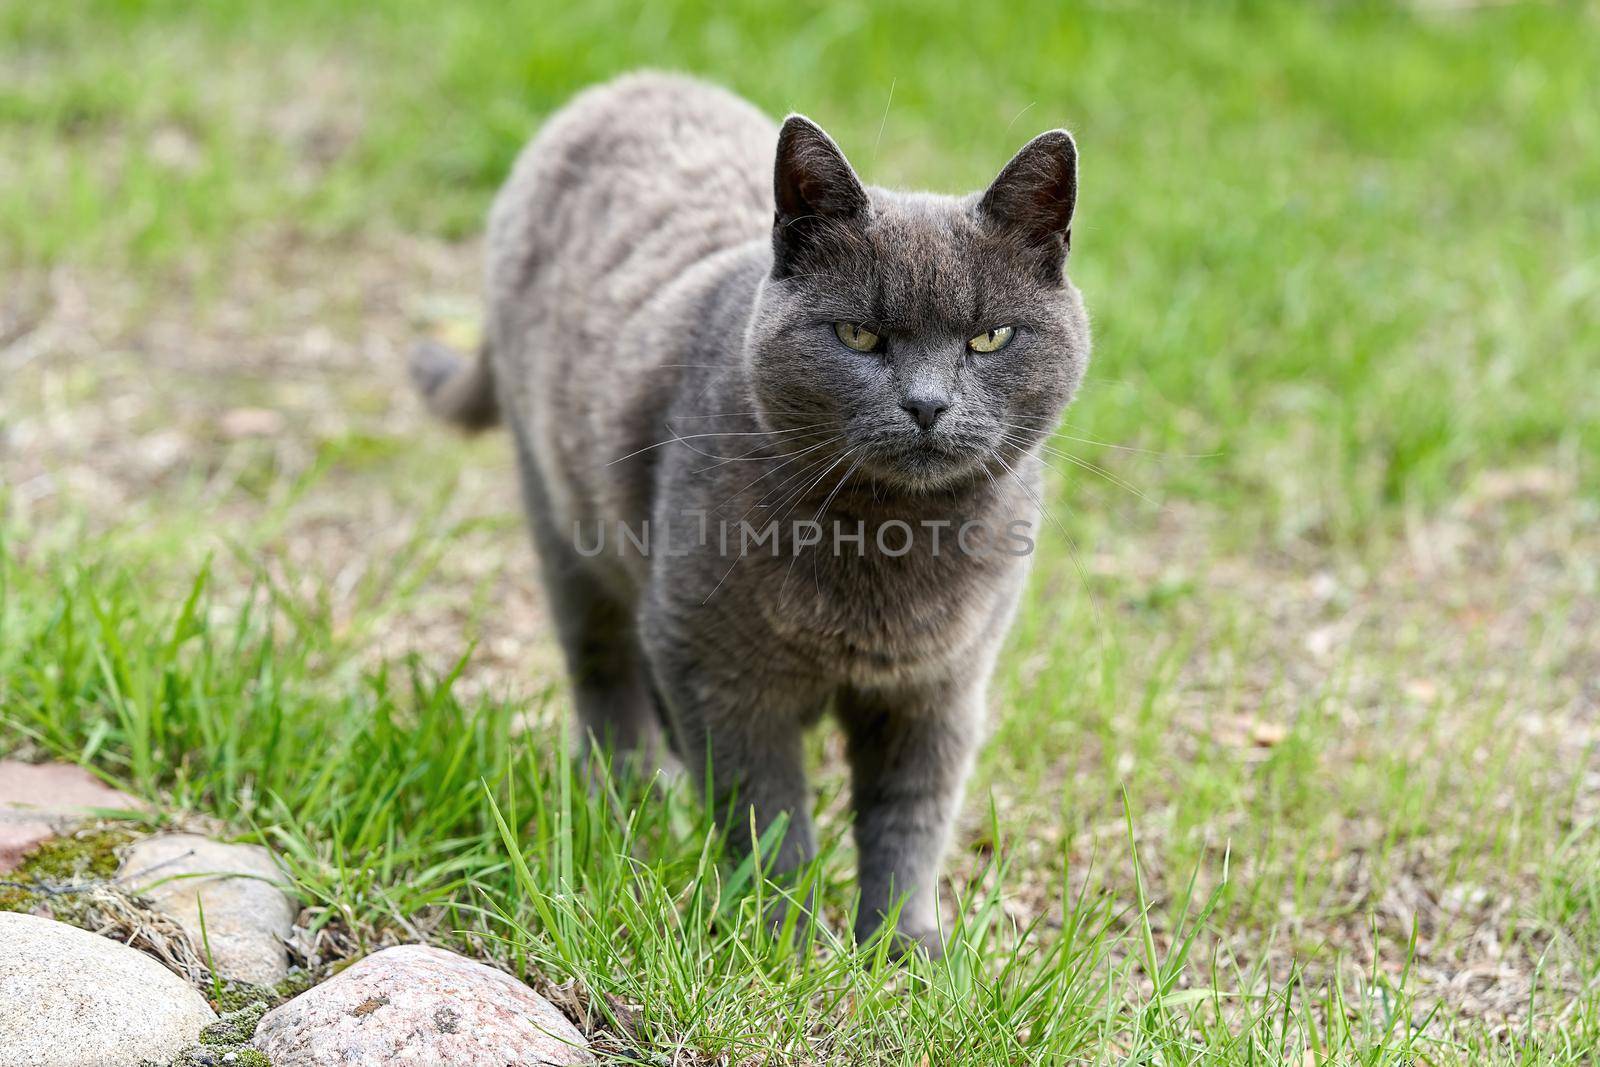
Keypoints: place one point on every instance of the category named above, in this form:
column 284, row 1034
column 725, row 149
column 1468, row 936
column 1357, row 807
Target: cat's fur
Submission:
column 652, row 279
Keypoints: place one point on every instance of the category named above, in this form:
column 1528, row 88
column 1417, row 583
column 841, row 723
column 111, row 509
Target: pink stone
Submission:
column 40, row 800
column 420, row 1005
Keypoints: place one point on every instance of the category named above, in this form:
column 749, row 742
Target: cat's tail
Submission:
column 456, row 390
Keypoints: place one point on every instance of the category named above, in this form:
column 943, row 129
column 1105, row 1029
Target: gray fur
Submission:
column 643, row 288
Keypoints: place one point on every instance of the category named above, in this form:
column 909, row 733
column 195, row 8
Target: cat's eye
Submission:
column 855, row 336
column 992, row 340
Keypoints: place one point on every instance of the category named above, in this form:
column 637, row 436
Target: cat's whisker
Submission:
column 737, row 557
column 820, row 511
column 780, row 494
column 821, row 508
column 1138, row 451
column 1057, row 432
column 731, row 414
column 767, row 474
column 1082, row 464
column 713, row 455
column 724, row 578
column 761, row 433
column 701, row 451
column 794, row 499
column 784, row 494
column 751, row 456
column 1095, row 493
column 682, row 439
column 790, row 437
column 1000, row 494
column 1072, row 544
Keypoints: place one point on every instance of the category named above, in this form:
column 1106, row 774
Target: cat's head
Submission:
column 928, row 333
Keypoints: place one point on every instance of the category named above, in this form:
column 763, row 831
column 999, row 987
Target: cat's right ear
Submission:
column 813, row 186
column 1034, row 198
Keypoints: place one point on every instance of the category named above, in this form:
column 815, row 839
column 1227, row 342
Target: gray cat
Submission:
column 686, row 341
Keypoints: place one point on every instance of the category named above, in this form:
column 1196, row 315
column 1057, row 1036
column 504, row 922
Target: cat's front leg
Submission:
column 911, row 750
column 738, row 724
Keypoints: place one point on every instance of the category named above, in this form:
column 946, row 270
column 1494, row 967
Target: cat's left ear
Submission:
column 1034, row 197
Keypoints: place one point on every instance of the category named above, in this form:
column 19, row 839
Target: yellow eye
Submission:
column 993, row 340
column 856, row 336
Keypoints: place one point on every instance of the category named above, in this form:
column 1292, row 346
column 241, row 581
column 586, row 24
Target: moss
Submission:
column 226, row 1042
column 216, row 1056
column 72, row 859
column 197, row 1056
column 88, row 855
column 17, row 898
column 234, row 1027
column 296, row 983
column 236, row 995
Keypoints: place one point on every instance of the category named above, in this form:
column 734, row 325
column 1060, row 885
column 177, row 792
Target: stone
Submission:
column 422, row 1005
column 69, row 998
column 41, row 800
column 251, row 422
column 247, row 913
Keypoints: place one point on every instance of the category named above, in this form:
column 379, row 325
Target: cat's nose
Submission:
column 926, row 409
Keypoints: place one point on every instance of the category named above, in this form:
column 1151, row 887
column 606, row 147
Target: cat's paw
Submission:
column 791, row 918
column 906, row 941
column 651, row 768
column 929, row 943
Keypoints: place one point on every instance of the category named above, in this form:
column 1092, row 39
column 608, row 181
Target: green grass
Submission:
column 1361, row 238
column 393, row 802
column 1294, row 754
